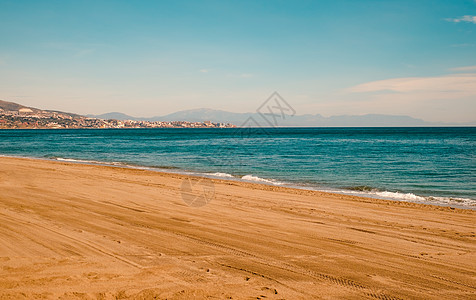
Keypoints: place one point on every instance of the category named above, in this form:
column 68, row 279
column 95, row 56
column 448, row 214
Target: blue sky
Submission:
column 148, row 58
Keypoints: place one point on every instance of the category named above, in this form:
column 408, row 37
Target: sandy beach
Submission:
column 75, row 231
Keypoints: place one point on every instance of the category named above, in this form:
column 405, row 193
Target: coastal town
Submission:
column 14, row 116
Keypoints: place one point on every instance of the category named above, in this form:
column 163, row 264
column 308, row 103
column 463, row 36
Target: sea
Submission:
column 423, row 165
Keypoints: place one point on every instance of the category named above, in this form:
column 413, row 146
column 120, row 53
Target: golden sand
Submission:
column 77, row 231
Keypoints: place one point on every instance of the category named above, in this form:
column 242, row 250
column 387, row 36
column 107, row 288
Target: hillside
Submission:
column 12, row 106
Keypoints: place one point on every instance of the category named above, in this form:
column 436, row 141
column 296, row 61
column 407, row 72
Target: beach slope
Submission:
column 77, row 231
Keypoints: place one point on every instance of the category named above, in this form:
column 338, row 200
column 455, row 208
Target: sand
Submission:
column 76, row 231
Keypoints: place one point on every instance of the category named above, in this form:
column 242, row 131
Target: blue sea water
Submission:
column 430, row 165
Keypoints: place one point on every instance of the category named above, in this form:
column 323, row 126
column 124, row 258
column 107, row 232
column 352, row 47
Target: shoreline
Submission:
column 265, row 127
column 264, row 181
column 84, row 231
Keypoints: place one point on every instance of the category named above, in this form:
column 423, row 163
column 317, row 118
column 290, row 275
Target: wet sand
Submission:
column 76, row 231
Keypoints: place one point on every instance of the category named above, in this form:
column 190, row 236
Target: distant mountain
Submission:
column 203, row 114
column 206, row 114
column 255, row 119
column 115, row 115
column 191, row 115
column 317, row 120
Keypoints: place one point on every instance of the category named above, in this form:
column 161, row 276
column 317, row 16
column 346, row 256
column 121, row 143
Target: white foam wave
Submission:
column 219, row 174
column 403, row 196
column 77, row 160
column 452, row 201
column 89, row 161
column 259, row 179
column 462, row 202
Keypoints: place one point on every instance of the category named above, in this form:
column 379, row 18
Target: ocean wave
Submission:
column 403, row 196
column 363, row 190
column 76, row 160
column 162, row 167
column 259, row 179
column 219, row 174
column 400, row 196
column 464, row 202
column 85, row 161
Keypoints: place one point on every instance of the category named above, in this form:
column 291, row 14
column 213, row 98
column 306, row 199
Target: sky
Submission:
column 151, row 58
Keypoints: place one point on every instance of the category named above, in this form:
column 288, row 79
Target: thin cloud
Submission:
column 246, row 75
column 242, row 75
column 432, row 98
column 464, row 69
column 449, row 86
column 204, row 71
column 77, row 50
column 467, row 18
column 82, row 53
